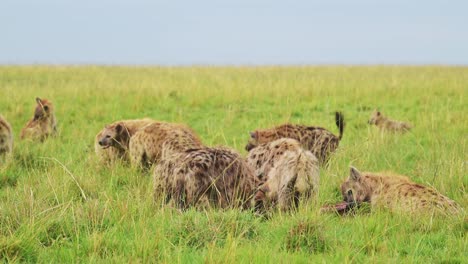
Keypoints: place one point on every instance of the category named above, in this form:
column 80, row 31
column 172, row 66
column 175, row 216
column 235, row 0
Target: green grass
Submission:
column 57, row 204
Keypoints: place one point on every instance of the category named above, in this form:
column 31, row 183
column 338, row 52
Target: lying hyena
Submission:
column 112, row 142
column 6, row 137
column 386, row 124
column 318, row 140
column 43, row 123
column 147, row 144
column 394, row 192
column 217, row 176
column 286, row 172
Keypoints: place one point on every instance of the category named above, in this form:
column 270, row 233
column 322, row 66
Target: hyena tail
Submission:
column 339, row 120
column 307, row 173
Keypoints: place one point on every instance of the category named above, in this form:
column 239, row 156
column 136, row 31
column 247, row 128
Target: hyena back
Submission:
column 317, row 140
column 219, row 176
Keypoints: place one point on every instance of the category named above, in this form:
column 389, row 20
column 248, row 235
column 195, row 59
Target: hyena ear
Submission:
column 253, row 134
column 119, row 128
column 38, row 100
column 354, row 174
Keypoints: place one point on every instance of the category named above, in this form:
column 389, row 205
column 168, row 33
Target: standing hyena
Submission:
column 43, row 123
column 112, row 142
column 394, row 192
column 318, row 140
column 286, row 172
column 147, row 144
column 386, row 124
column 217, row 176
column 6, row 137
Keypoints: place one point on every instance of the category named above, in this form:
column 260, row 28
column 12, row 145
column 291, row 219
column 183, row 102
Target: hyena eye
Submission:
column 108, row 136
column 350, row 192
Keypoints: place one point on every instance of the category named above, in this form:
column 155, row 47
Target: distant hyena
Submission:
column 147, row 145
column 112, row 142
column 219, row 176
column 319, row 141
column 286, row 172
column 43, row 124
column 394, row 192
column 386, row 124
column 6, row 137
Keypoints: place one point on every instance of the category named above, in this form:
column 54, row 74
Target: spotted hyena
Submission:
column 6, row 137
column 112, row 142
column 318, row 140
column 394, row 192
column 43, row 124
column 286, row 172
column 218, row 176
column 147, row 145
column 386, row 124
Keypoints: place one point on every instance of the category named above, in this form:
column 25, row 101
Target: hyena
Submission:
column 394, row 192
column 112, row 142
column 386, row 124
column 6, row 137
column 147, row 145
column 43, row 124
column 218, row 176
column 318, row 140
column 286, row 172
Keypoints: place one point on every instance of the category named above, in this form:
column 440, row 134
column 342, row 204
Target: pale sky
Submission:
column 238, row 32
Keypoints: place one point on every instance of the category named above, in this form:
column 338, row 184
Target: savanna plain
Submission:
column 59, row 204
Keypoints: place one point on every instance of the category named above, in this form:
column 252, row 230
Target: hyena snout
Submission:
column 104, row 143
column 249, row 147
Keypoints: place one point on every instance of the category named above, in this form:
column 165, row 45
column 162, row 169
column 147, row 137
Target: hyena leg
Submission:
column 189, row 189
column 138, row 156
column 180, row 193
column 286, row 198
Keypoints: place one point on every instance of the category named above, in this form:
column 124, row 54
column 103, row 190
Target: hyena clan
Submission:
column 394, row 192
column 43, row 123
column 386, row 124
column 318, row 140
column 6, row 137
column 286, row 172
column 112, row 142
column 205, row 176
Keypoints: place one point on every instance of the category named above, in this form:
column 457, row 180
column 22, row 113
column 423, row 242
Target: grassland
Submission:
column 57, row 204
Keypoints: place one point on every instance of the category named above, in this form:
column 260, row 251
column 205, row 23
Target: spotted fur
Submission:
column 318, row 140
column 6, row 137
column 217, row 176
column 147, row 145
column 286, row 172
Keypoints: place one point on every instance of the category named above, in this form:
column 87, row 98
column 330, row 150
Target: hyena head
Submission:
column 375, row 117
column 44, row 109
column 354, row 189
column 115, row 135
column 259, row 137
